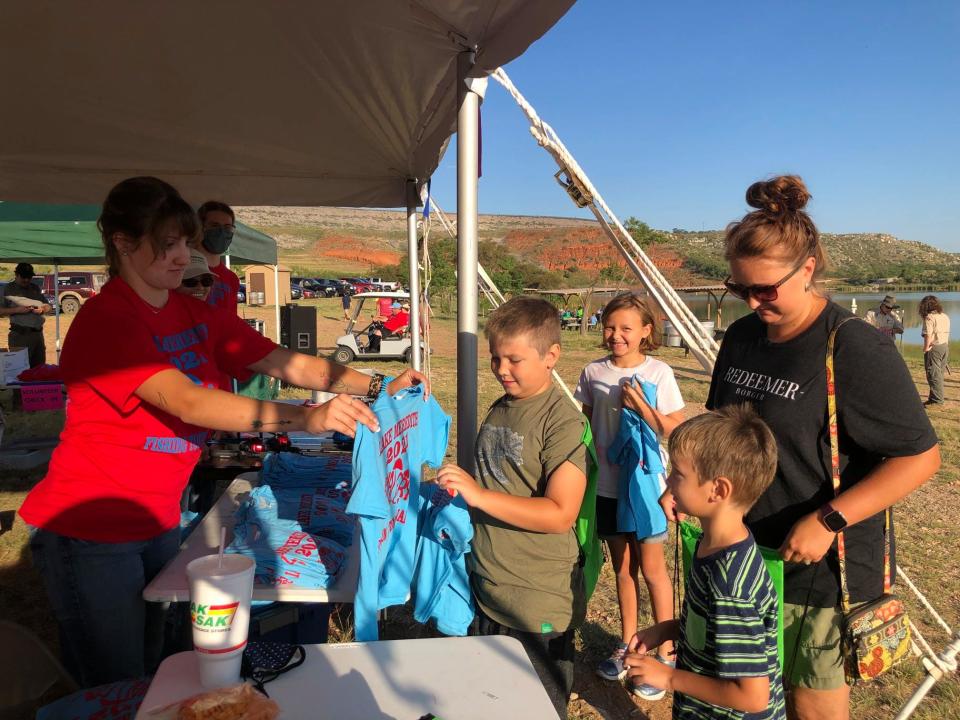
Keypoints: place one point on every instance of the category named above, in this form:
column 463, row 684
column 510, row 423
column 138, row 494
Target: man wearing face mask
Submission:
column 218, row 223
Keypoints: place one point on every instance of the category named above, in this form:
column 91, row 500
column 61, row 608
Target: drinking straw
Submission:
column 223, row 542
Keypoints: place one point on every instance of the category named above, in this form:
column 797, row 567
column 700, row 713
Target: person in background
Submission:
column 219, row 225
column 142, row 366
column 399, row 322
column 345, row 304
column 396, row 324
column 936, row 346
column 885, row 318
column 775, row 358
column 530, row 481
column 197, row 278
column 25, row 304
column 384, row 306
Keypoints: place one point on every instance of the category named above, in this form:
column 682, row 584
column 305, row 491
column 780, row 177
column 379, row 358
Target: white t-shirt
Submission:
column 599, row 387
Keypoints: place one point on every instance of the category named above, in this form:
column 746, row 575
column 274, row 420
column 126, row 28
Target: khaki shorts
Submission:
column 818, row 663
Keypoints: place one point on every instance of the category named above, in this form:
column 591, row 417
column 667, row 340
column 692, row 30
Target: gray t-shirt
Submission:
column 525, row 579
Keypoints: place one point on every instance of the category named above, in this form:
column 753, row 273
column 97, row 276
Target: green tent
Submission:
column 68, row 235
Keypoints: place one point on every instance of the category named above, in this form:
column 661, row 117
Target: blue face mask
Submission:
column 216, row 240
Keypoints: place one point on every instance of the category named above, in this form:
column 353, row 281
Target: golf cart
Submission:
column 357, row 342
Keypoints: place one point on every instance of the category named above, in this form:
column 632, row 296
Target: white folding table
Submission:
column 170, row 585
column 472, row 678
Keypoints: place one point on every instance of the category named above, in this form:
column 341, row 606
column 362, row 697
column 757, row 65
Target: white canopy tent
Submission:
column 343, row 102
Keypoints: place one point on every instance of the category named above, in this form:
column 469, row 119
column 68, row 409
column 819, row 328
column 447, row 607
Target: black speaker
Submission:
column 298, row 328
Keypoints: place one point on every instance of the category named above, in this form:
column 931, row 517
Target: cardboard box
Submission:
column 12, row 364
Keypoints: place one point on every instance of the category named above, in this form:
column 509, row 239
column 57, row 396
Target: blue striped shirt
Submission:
column 728, row 629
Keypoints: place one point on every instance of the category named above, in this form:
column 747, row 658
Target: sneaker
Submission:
column 649, row 692
column 612, row 668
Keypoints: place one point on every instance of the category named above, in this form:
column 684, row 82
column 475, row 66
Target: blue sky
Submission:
column 673, row 109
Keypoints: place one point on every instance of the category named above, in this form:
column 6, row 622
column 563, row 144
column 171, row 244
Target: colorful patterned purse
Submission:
column 876, row 636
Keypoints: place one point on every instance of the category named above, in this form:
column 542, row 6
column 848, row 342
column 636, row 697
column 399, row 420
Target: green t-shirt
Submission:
column 525, row 579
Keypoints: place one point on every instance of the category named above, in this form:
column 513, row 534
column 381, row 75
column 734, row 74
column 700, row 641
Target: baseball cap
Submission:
column 24, row 270
column 395, row 305
column 198, row 266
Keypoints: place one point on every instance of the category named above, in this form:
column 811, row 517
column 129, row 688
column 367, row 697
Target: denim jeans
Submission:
column 107, row 631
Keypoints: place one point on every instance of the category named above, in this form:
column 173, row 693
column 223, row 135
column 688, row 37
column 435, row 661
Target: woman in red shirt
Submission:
column 142, row 366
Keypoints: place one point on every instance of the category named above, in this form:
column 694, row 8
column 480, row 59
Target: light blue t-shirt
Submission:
column 636, row 450
column 285, row 553
column 293, row 470
column 316, row 513
column 441, row 583
column 386, row 474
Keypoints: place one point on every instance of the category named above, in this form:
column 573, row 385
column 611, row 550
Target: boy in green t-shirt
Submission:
column 531, row 476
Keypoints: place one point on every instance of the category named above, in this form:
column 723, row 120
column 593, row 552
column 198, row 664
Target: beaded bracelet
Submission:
column 376, row 384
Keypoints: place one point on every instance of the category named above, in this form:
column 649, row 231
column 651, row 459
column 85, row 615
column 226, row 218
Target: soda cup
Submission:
column 220, row 615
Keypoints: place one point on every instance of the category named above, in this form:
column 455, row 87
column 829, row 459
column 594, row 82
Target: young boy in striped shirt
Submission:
column 727, row 664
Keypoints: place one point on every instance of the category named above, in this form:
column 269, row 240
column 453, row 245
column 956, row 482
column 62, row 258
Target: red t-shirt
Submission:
column 223, row 297
column 400, row 320
column 121, row 465
column 223, row 294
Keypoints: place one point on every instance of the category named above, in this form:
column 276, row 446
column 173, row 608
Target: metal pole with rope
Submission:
column 584, row 194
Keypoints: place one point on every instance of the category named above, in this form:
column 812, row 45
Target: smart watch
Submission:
column 833, row 519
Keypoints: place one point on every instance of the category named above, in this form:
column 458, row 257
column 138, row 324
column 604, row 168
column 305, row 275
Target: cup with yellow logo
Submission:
column 220, row 595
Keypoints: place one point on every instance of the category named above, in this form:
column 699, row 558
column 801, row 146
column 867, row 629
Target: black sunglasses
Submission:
column 763, row 293
column 205, row 280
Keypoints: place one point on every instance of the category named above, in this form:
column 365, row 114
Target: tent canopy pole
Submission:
column 468, row 102
column 56, row 304
column 414, row 269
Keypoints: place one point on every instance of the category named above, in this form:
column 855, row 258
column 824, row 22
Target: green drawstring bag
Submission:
column 591, row 551
column 689, row 534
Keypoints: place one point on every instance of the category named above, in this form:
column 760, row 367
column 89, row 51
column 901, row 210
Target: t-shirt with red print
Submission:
column 121, row 465
column 223, row 293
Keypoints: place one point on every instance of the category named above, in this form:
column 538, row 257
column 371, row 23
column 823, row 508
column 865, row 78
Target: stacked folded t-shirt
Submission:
column 294, row 525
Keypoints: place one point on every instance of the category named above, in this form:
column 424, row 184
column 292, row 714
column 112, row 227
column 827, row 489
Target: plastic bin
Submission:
column 671, row 338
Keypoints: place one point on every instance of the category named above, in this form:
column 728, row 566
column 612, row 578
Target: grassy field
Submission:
column 929, row 534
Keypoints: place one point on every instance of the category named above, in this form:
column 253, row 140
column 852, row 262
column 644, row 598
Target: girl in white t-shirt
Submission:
column 629, row 332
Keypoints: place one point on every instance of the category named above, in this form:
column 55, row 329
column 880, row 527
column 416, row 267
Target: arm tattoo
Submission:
column 259, row 424
column 338, row 386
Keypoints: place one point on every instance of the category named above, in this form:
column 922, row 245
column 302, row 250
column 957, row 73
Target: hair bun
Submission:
column 783, row 194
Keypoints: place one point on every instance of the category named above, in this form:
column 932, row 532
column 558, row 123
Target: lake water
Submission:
column 734, row 308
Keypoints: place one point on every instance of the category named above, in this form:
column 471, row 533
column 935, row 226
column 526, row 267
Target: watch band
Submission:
column 833, row 519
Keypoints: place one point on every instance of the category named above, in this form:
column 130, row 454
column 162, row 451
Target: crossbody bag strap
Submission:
column 835, row 457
